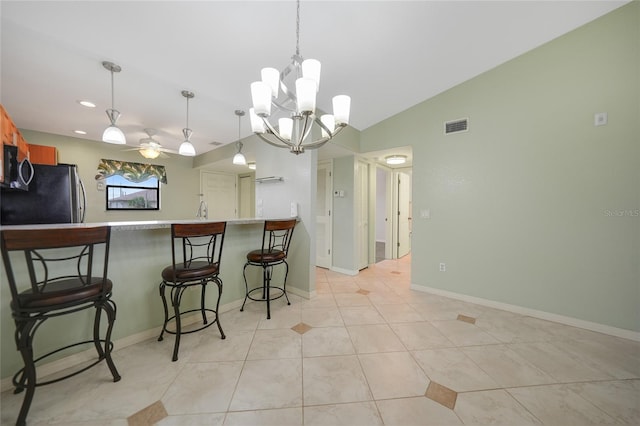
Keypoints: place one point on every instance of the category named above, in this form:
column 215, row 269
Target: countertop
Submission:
column 135, row 224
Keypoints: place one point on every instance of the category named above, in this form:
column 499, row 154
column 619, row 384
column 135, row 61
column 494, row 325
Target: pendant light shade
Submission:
column 186, row 148
column 239, row 158
column 113, row 134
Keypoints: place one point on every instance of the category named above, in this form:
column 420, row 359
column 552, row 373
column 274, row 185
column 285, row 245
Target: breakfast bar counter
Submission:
column 138, row 253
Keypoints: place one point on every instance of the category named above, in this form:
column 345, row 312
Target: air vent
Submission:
column 214, row 143
column 456, row 126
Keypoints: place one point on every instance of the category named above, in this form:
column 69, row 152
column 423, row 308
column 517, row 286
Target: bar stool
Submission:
column 276, row 238
column 59, row 266
column 201, row 246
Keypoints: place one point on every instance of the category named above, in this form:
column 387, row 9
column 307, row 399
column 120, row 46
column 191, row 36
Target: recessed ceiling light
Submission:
column 80, row 132
column 87, row 104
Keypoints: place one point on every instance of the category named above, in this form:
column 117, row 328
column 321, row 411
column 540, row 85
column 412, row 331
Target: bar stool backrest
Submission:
column 201, row 244
column 60, row 257
column 277, row 236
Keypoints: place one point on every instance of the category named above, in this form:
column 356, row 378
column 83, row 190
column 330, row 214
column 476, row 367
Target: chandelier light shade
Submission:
column 186, row 148
column 292, row 104
column 239, row 158
column 395, row 159
column 113, row 134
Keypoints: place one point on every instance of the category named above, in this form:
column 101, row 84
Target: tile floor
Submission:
column 366, row 351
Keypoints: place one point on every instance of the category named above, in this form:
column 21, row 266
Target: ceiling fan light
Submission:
column 239, row 159
column 149, row 153
column 114, row 135
column 396, row 159
column 187, row 149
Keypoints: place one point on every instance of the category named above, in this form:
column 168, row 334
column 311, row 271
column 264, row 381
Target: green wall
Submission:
column 178, row 199
column 535, row 206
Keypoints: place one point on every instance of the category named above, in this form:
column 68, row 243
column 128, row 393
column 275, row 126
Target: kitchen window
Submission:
column 131, row 186
column 126, row 195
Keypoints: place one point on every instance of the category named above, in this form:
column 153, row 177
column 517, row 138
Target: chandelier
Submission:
column 295, row 104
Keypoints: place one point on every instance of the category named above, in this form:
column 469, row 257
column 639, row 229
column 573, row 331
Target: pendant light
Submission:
column 239, row 157
column 186, row 147
column 113, row 134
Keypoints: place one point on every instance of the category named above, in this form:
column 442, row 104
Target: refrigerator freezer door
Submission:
column 52, row 198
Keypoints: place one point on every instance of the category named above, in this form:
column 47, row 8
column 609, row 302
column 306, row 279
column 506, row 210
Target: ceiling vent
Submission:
column 214, row 143
column 456, row 126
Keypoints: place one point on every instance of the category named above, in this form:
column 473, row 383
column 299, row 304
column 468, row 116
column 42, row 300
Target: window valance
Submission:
column 135, row 172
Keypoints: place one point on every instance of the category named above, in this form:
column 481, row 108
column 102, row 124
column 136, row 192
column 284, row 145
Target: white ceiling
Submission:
column 387, row 55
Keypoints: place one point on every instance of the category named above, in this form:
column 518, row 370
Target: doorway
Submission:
column 324, row 205
column 218, row 190
column 403, row 223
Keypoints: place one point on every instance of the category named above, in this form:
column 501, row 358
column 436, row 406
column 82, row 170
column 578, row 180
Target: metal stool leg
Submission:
column 162, row 289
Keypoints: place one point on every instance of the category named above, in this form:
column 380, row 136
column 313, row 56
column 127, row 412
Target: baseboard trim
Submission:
column 344, row 271
column 90, row 354
column 304, row 294
column 562, row 319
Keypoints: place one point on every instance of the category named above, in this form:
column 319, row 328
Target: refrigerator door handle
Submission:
column 84, row 202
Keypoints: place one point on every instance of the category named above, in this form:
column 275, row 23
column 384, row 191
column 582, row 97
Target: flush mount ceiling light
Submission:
column 251, row 165
column 239, row 157
column 396, row 159
column 186, row 147
column 113, row 134
column 295, row 104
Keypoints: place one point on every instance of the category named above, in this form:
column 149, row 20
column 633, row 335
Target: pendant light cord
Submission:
column 112, row 92
column 187, row 112
column 239, row 142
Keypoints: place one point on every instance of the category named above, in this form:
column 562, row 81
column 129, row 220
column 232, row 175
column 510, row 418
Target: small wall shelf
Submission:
column 270, row 179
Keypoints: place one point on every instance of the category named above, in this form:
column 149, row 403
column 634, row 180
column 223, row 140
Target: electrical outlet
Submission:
column 443, row 267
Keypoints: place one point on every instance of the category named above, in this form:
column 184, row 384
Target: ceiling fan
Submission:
column 151, row 148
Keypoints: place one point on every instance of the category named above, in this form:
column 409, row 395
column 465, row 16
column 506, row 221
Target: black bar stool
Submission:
column 201, row 246
column 63, row 280
column 276, row 238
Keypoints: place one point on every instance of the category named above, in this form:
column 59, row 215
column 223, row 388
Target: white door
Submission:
column 404, row 214
column 362, row 213
column 324, row 206
column 219, row 192
column 246, row 196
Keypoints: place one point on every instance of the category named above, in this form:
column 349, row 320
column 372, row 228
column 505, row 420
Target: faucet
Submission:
column 203, row 210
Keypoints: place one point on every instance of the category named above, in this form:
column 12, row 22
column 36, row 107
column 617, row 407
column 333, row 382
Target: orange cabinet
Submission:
column 9, row 130
column 11, row 135
column 41, row 154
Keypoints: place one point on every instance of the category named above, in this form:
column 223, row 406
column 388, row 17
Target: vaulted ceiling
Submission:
column 387, row 55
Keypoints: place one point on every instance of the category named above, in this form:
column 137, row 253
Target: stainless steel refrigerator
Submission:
column 55, row 195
